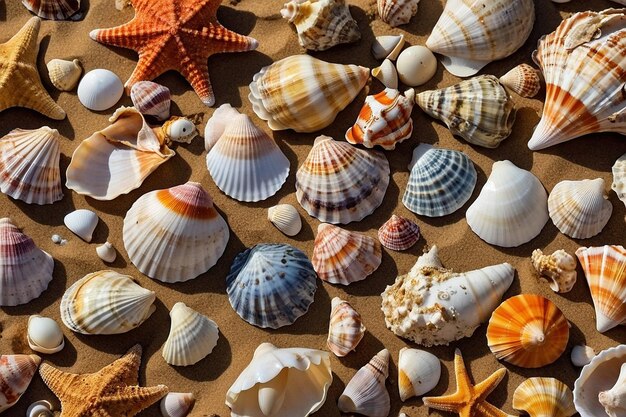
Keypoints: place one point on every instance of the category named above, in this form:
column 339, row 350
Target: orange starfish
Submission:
column 468, row 400
column 175, row 35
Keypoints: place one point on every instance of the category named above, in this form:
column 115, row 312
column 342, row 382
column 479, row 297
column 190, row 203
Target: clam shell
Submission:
column 366, row 392
column 82, row 223
column 523, row 79
column 345, row 329
column 386, row 73
column 387, row 46
column 418, row 372
column 619, row 178
column 398, row 233
column 416, row 65
column 106, row 252
column 286, row 219
column 177, row 404
column 397, row 12
column 217, row 124
column 41, row 408
column 53, row 9
column 63, row 74
column 151, row 99
column 560, row 268
column 16, row 372
column 541, row 397
column 44, row 335
column 100, row 89
column 582, row 355
column 614, row 399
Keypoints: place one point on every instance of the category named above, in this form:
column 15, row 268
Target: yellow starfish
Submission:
column 110, row 392
column 20, row 85
column 468, row 400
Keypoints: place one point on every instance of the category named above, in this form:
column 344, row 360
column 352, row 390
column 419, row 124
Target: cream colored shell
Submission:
column 559, row 268
column 64, row 74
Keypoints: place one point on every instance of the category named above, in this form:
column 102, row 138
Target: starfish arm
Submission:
column 26, row 90
column 123, row 371
column 130, row 400
column 196, row 71
column 220, row 39
column 451, row 403
column 484, row 409
column 151, row 64
column 24, row 42
column 57, row 380
column 463, row 382
column 132, row 35
column 485, row 387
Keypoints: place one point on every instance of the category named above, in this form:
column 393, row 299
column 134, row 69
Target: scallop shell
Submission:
column 479, row 110
column 416, row 65
column 614, row 399
column 16, row 372
column 418, row 372
column 440, row 183
column 217, row 124
column 44, row 335
column 397, row 12
column 580, row 209
column 41, row 408
column 398, row 233
column 338, row 183
column 106, row 252
column 192, row 336
column 317, row 92
column 25, row 270
column 385, row 120
column 82, row 223
column 151, row 99
column 321, row 24
column 245, row 163
column 511, row 197
column 100, row 89
column 386, row 73
column 345, row 329
column 175, row 234
column 582, row 355
column 528, row 331
column 286, row 219
column 29, row 165
column 560, row 268
column 63, row 74
column 177, row 404
column 544, row 397
column 523, row 79
column 471, row 34
column 271, row 285
column 53, row 9
column 281, row 383
column 106, row 302
column 387, row 46
column 604, row 268
column 366, row 392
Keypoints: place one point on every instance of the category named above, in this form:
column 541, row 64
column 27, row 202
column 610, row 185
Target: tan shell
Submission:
column 560, row 268
column 346, row 328
column 64, row 74
column 542, row 397
column 524, row 80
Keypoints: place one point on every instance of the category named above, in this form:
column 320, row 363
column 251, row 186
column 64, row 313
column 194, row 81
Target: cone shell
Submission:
column 544, row 397
column 605, row 271
column 614, row 399
column 25, row 270
column 16, row 372
column 386, row 73
column 523, row 79
column 317, row 92
column 106, row 302
column 418, row 372
column 528, row 331
column 398, row 233
column 151, row 99
column 619, row 178
column 387, row 46
column 479, row 110
column 63, row 74
column 560, row 268
column 53, row 9
column 397, row 12
column 175, row 234
column 346, row 328
column 177, row 404
column 338, row 183
column 29, row 165
column 366, row 392
column 286, row 219
column 217, row 124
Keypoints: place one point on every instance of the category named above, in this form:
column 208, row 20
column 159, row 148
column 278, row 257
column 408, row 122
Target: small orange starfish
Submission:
column 175, row 35
column 468, row 400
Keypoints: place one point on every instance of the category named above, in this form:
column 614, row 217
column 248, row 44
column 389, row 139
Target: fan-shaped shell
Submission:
column 82, row 223
column 216, row 125
column 418, row 372
column 177, row 404
column 559, row 267
column 619, row 178
column 151, row 99
column 398, row 233
column 271, row 285
column 397, row 12
column 317, row 92
column 16, row 372
column 286, row 219
column 338, row 183
column 175, row 234
column 544, row 397
column 53, row 9
column 366, row 392
column 523, row 79
column 63, row 74
column 345, row 329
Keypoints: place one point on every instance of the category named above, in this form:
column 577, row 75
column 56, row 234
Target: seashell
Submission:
column 271, row 285
column 192, row 336
column 16, row 372
column 106, row 252
column 619, row 178
column 345, row 329
column 29, row 165
column 106, row 302
column 582, row 355
column 245, row 163
column 151, row 99
column 384, row 120
column 511, row 197
column 440, row 183
column 544, row 397
column 479, row 110
column 604, row 270
column 317, row 92
column 177, row 404
column 418, row 372
column 63, row 74
column 471, row 34
column 100, row 89
column 41, row 408
column 82, row 223
column 528, row 331
column 281, row 383
column 217, row 124
column 286, row 219
column 321, row 24
column 594, row 102
column 53, row 9
column 179, row 129
column 386, row 73
column 25, row 270
column 366, row 392
column 397, row 12
column 398, row 233
column 560, row 268
column 175, row 234
column 338, row 183
column 580, row 209
column 431, row 305
column 416, row 65
column 523, row 79
column 44, row 335
column 614, row 400
column 387, row 46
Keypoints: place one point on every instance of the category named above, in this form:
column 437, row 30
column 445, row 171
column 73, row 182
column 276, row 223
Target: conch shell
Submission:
column 366, row 392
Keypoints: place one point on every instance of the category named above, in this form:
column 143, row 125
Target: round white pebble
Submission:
column 416, row 65
column 56, row 239
column 100, row 89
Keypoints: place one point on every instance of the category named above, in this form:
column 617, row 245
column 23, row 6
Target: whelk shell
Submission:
column 53, row 9
column 523, row 79
column 418, row 372
column 398, row 233
column 44, row 335
column 387, row 46
column 16, row 372
column 614, row 400
column 286, row 219
column 100, row 89
column 559, row 267
column 151, row 99
column 416, row 65
column 582, row 355
column 345, row 329
column 397, row 12
column 82, row 223
column 544, row 397
column 63, row 74
column 366, row 392
column 177, row 404
column 216, row 125
column 386, row 73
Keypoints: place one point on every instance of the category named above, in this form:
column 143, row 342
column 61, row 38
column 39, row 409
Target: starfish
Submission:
column 468, row 400
column 110, row 392
column 175, row 35
column 20, row 85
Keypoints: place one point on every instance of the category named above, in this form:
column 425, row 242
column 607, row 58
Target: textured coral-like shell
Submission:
column 397, row 12
column 559, row 267
column 338, row 183
column 317, row 92
column 398, row 233
column 151, row 99
column 343, row 257
column 216, row 125
column 614, row 399
column 480, row 110
column 177, row 404
column 544, row 397
column 418, row 372
column 345, row 329
column 175, row 234
column 29, row 165
column 619, row 178
column 366, row 392
column 286, row 219
column 64, row 75
column 53, row 9
column 16, row 372
column 523, row 79
column 471, row 33
column 528, row 331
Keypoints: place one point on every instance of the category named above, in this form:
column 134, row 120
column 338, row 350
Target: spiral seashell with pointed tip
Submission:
column 559, row 267
column 63, row 74
column 398, row 233
column 41, row 408
column 544, row 397
column 44, row 335
column 386, row 73
column 151, row 99
column 418, row 372
column 176, row 404
column 82, row 223
column 614, row 400
column 387, row 46
column 16, row 372
column 582, row 355
column 53, row 9
column 397, row 12
column 523, row 79
column 619, row 178
column 345, row 329
column 366, row 392
column 216, row 125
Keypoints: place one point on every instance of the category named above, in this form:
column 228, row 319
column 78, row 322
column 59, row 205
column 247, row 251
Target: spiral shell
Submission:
column 366, row 392
column 64, row 75
column 560, row 268
column 345, row 329
column 523, row 79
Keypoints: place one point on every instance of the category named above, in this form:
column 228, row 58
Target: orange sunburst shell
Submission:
column 528, row 331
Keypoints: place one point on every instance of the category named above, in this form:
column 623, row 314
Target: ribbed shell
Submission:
column 175, row 234
column 366, row 392
column 317, row 91
column 619, row 178
column 397, row 12
column 216, row 125
column 479, row 110
column 398, row 233
column 528, row 331
column 245, row 163
column 106, row 302
column 53, row 9
column 63, row 74
column 271, row 285
column 16, row 372
column 544, row 397
column 151, row 99
column 286, row 219
column 338, row 183
column 345, row 329
column 440, row 183
column 523, row 79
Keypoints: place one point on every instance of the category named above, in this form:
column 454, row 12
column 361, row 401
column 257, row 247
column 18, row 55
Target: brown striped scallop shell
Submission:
column 151, row 99
column 524, row 80
column 16, row 372
column 53, row 9
column 398, row 233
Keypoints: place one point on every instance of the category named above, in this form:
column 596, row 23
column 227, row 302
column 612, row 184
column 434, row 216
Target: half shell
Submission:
column 53, row 9
column 16, row 372
column 544, row 397
column 345, row 329
column 523, row 79
column 398, row 233
column 366, row 392
column 82, row 223
column 560, row 268
column 387, row 46
column 418, row 372
column 397, row 12
column 151, row 99
column 286, row 219
column 64, row 74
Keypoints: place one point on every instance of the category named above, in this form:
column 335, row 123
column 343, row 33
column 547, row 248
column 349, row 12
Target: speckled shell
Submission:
column 560, row 268
column 397, row 12
column 345, row 329
column 286, row 219
column 53, row 9
column 523, row 79
column 64, row 75
column 151, row 99
column 366, row 393
column 398, row 233
column 16, row 372
column 544, row 397
column 619, row 178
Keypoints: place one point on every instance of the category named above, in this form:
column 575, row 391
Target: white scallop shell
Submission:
column 418, row 372
column 64, row 74
column 387, row 46
column 100, row 89
column 366, row 392
column 106, row 252
column 286, row 219
column 177, row 404
column 416, row 65
column 582, row 355
column 44, row 335
column 217, row 124
column 82, row 223
column 386, row 73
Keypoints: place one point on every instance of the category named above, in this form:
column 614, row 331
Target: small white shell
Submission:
column 82, row 223
column 180, row 129
column 63, row 74
column 107, row 252
column 100, row 89
column 582, row 355
column 387, row 46
column 286, row 219
column 416, row 65
column 217, row 124
column 418, row 372
column 177, row 404
column 41, row 408
column 386, row 74
column 44, row 335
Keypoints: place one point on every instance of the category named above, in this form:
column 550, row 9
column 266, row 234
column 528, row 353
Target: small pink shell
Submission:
column 398, row 233
column 53, row 9
column 151, row 99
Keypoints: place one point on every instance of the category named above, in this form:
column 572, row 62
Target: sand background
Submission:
column 460, row 248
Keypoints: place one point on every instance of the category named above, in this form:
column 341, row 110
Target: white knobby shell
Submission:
column 82, row 223
column 64, row 74
column 416, row 65
column 582, row 355
column 387, row 46
column 41, row 408
column 386, row 73
column 217, row 124
column 614, row 400
column 418, row 372
column 44, row 335
column 107, row 252
column 559, row 267
column 366, row 392
column 100, row 89
column 177, row 404
column 286, row 219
